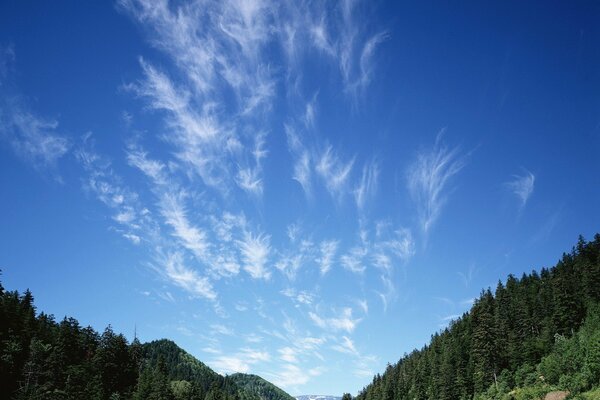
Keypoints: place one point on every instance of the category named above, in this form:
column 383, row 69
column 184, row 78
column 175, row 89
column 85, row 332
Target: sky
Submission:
column 302, row 190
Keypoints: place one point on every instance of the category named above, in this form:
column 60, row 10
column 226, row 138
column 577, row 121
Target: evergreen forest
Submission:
column 532, row 335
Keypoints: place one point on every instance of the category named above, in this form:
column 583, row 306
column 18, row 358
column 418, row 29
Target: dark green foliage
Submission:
column 256, row 385
column 45, row 360
column 525, row 339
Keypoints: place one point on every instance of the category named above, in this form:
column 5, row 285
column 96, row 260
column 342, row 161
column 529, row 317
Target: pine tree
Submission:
column 483, row 347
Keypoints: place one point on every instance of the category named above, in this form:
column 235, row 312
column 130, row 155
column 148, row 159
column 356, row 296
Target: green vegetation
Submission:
column 43, row 359
column 534, row 335
column 256, row 385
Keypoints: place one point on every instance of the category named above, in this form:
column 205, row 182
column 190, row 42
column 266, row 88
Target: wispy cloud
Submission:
column 522, row 186
column 346, row 345
column 328, row 249
column 153, row 169
column 230, row 364
column 192, row 238
column 249, row 178
column 353, row 259
column 187, row 278
column 221, row 329
column 429, row 178
column 467, row 276
column 255, row 253
column 302, row 165
column 366, row 64
column 300, row 297
column 34, row 139
column 135, row 222
column 289, row 265
column 400, row 244
column 388, row 293
column 343, row 322
column 199, row 137
column 334, row 172
column 367, row 186
column 288, row 354
column 291, row 375
column 7, row 60
column 241, row 361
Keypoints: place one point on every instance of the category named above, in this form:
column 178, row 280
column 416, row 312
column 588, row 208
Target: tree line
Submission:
column 41, row 358
column 533, row 334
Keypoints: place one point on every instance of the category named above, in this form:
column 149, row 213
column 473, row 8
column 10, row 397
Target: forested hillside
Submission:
column 265, row 390
column 44, row 359
column 532, row 335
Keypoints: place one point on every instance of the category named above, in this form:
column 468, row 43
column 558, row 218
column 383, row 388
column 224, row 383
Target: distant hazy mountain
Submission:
column 317, row 397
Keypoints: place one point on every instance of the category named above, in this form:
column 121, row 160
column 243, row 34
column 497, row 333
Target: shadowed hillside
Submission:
column 44, row 359
column 532, row 335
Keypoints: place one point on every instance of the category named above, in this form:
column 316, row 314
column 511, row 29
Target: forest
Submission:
column 532, row 335
column 44, row 359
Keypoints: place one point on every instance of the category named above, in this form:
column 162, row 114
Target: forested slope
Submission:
column 532, row 335
column 44, row 359
column 254, row 384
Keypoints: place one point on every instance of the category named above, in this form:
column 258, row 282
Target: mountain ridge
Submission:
column 534, row 335
column 43, row 359
column 317, row 397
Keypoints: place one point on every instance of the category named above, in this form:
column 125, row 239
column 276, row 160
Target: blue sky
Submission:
column 301, row 190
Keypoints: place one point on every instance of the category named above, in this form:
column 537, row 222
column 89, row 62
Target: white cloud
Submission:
column 344, row 322
column 291, row 375
column 320, row 38
column 255, row 253
column 210, row 350
column 187, row 278
column 7, row 59
column 401, row 244
column 300, row 297
column 230, row 364
column 135, row 239
column 522, row 186
column 334, row 172
column 353, row 260
column 309, row 342
column 302, row 164
column 199, row 137
column 428, row 180
column 107, row 187
column 389, row 291
column 328, row 250
column 192, row 238
column 346, row 345
column 249, row 178
column 293, row 231
column 153, row 169
column 253, row 338
column 225, row 225
column 366, row 60
column 363, row 305
column 33, row 139
column 289, row 265
column 288, row 354
column 368, row 184
column 221, row 329
column 253, row 356
column 310, row 112
column 241, row 361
